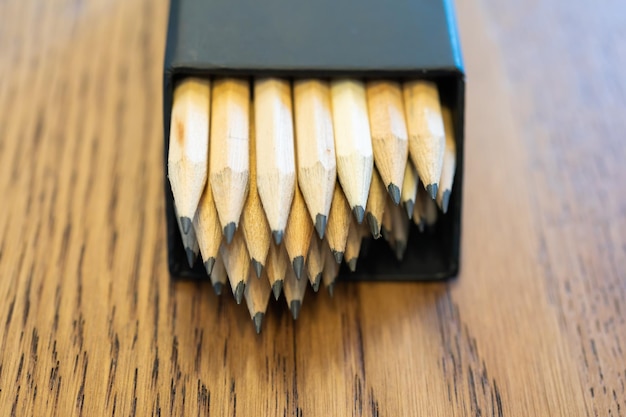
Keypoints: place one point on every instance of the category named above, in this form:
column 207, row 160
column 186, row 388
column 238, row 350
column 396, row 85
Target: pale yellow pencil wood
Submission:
column 257, row 294
column 353, row 244
column 449, row 162
column 331, row 267
column 409, row 188
column 276, row 265
column 338, row 224
column 207, row 227
column 376, row 202
column 315, row 261
column 237, row 263
column 219, row 276
column 294, row 290
column 298, row 232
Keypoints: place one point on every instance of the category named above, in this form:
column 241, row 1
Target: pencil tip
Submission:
column 258, row 267
column 331, row 289
column 432, row 190
column 217, row 287
column 295, row 308
column 320, row 225
column 445, row 200
column 359, row 213
column 258, row 321
column 208, row 265
column 338, row 256
column 298, row 264
column 278, row 236
column 352, row 264
column 229, row 232
column 277, row 287
column 394, row 192
column 186, row 223
column 374, row 226
column 239, row 292
column 316, row 282
column 191, row 256
column 409, row 205
column 400, row 248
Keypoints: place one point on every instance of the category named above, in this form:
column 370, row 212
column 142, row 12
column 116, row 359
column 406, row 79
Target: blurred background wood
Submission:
column 91, row 325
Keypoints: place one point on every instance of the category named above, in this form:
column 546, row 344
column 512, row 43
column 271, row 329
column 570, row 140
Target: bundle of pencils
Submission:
column 278, row 190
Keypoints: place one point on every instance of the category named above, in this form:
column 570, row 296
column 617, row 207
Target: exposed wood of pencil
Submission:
column 294, row 289
column 353, row 245
column 387, row 225
column 376, row 202
column 256, row 231
column 353, row 142
column 219, row 277
column 315, row 262
column 315, row 148
column 257, row 294
column 338, row 224
column 331, row 268
column 298, row 233
column 276, row 169
column 189, row 239
column 207, row 228
column 426, row 132
column 276, row 266
column 237, row 263
column 429, row 207
column 389, row 133
column 449, row 162
column 229, row 166
column 400, row 229
column 189, row 146
column 419, row 210
column 409, row 188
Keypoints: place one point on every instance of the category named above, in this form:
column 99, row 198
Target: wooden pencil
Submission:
column 218, row 275
column 257, row 295
column 315, row 148
column 237, row 263
column 353, row 142
column 338, row 224
column 409, row 188
column 276, row 170
column 426, row 131
column 298, row 233
column 430, row 212
column 449, row 162
column 276, row 267
column 389, row 133
column 419, row 209
column 331, row 268
column 189, row 147
column 353, row 244
column 256, row 231
column 315, row 262
column 190, row 241
column 400, row 230
column 376, row 202
column 207, row 227
column 387, row 224
column 294, row 289
column 229, row 166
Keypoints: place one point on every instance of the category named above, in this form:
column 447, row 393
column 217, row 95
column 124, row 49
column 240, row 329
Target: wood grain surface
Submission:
column 91, row 324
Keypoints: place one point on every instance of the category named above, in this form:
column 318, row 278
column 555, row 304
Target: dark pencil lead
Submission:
column 422, row 225
column 298, row 264
column 374, row 226
column 394, row 192
column 186, row 224
column 445, row 200
column 338, row 256
column 278, row 236
column 258, row 321
column 431, row 189
column 400, row 248
column 277, row 287
column 295, row 308
column 316, row 282
column 331, row 289
column 191, row 256
column 217, row 287
column 258, row 267
column 208, row 265
column 229, row 232
column 409, row 206
column 352, row 264
column 320, row 225
column 239, row 292
column 359, row 213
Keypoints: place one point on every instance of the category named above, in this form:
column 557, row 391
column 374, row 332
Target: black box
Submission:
column 403, row 39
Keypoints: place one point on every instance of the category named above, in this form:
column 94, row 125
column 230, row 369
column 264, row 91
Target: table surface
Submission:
column 534, row 325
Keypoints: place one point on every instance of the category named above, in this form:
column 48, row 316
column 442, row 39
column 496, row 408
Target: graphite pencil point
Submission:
column 258, row 267
column 394, row 192
column 352, row 264
column 278, row 236
column 186, row 223
column 258, row 321
column 229, row 232
column 217, row 287
column 359, row 213
column 320, row 224
column 409, row 205
column 239, row 292
column 208, row 265
column 298, row 265
column 445, row 201
column 331, row 289
column 191, row 256
column 374, row 226
column 338, row 256
column 317, row 282
column 431, row 189
column 277, row 287
column 295, row 308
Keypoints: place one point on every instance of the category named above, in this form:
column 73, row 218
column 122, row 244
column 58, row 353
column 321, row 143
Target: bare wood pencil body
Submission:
column 426, row 132
column 256, row 231
column 315, row 262
column 399, row 229
column 353, row 244
column 276, row 267
column 190, row 241
column 449, row 162
column 315, row 148
column 257, row 295
column 331, row 268
column 218, row 275
column 237, row 263
column 207, row 227
column 294, row 289
column 229, row 166
column 389, row 133
column 338, row 224
column 276, row 170
column 376, row 201
column 189, row 147
column 409, row 188
column 298, row 233
column 353, row 142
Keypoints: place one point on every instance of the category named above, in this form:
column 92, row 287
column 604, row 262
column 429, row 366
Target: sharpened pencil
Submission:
column 257, row 295
column 298, row 233
column 294, row 290
column 449, row 162
column 353, row 245
column 430, row 211
column 207, row 227
column 276, row 267
column 400, row 230
column 338, row 224
column 376, row 202
column 237, row 263
column 315, row 262
column 218, row 275
column 409, row 188
column 331, row 268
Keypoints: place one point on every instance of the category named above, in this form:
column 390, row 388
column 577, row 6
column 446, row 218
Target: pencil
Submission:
column 315, row 148
column 430, row 212
column 294, row 289
column 376, row 201
column 331, row 268
column 276, row 267
column 315, row 262
column 353, row 143
column 409, row 188
column 449, row 162
column 257, row 295
column 400, row 230
column 190, row 241
column 237, row 263
column 218, row 275
column 256, row 231
column 228, row 166
column 276, row 170
column 353, row 244
column 387, row 224
column 338, row 224
column 189, row 147
column 426, row 132
column 298, row 233
column 207, row 227
column 389, row 133
column 419, row 210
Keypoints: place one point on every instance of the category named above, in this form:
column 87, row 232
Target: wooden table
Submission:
column 91, row 324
